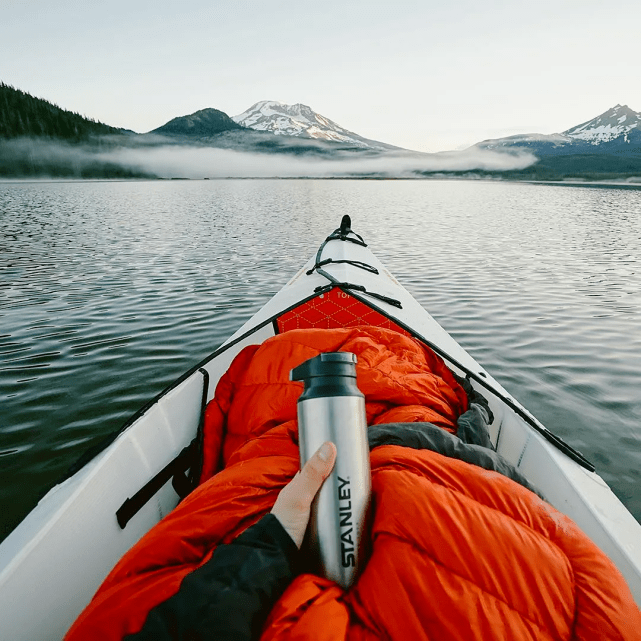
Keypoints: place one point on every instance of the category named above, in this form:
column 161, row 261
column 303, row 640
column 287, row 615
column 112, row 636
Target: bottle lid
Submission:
column 327, row 364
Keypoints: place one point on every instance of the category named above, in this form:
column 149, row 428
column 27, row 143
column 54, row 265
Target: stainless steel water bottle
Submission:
column 332, row 408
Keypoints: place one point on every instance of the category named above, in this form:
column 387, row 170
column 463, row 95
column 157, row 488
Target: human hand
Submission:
column 293, row 505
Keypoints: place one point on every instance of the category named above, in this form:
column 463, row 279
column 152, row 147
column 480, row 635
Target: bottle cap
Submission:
column 329, row 364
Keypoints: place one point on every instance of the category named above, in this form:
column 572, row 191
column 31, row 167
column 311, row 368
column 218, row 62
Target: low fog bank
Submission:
column 165, row 159
column 209, row 162
column 29, row 157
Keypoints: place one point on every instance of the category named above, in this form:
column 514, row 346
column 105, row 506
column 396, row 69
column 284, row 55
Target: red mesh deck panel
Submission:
column 331, row 310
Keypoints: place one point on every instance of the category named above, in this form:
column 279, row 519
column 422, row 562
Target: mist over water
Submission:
column 204, row 162
column 111, row 290
column 152, row 157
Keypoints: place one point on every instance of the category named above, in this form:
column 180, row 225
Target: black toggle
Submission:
column 346, row 225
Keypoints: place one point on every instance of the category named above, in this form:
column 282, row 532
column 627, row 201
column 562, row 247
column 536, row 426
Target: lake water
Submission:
column 111, row 290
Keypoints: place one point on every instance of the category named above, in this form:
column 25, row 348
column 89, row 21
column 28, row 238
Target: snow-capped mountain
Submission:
column 620, row 121
column 300, row 120
column 618, row 130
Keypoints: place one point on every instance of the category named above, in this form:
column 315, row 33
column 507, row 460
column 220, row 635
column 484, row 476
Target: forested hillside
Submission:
column 23, row 115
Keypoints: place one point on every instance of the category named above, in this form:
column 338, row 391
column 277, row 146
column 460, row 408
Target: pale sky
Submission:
column 420, row 74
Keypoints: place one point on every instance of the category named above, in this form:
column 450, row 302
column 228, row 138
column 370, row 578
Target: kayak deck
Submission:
column 51, row 565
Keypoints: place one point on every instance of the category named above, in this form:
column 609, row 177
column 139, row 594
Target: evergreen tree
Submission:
column 23, row 115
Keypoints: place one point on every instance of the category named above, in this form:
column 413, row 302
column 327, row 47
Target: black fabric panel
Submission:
column 426, row 436
column 229, row 597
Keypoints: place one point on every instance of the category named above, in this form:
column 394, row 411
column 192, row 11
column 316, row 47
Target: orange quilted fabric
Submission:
column 454, row 551
column 403, row 381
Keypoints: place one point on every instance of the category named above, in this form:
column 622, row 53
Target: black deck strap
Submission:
column 549, row 436
column 552, row 438
column 342, row 234
column 346, row 287
column 174, row 468
column 338, row 236
column 190, row 458
column 354, row 263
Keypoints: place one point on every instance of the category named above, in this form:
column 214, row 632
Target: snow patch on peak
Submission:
column 298, row 120
column 614, row 123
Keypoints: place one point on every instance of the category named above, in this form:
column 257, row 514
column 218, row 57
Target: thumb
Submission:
column 293, row 504
column 316, row 470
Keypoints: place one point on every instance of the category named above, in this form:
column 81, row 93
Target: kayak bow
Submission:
column 51, row 565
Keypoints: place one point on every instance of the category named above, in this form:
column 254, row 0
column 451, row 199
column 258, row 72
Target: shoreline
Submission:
column 628, row 183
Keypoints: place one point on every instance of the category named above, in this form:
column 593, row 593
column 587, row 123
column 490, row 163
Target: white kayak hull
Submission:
column 54, row 561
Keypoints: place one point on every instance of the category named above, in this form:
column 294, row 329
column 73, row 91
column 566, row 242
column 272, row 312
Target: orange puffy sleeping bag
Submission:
column 455, row 551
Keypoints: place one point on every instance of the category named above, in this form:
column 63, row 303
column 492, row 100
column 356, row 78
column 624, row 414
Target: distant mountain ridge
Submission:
column 38, row 138
column 607, row 147
column 618, row 122
column 616, row 131
column 302, row 121
column 203, row 123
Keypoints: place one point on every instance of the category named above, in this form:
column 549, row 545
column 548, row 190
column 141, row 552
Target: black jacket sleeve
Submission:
column 230, row 596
